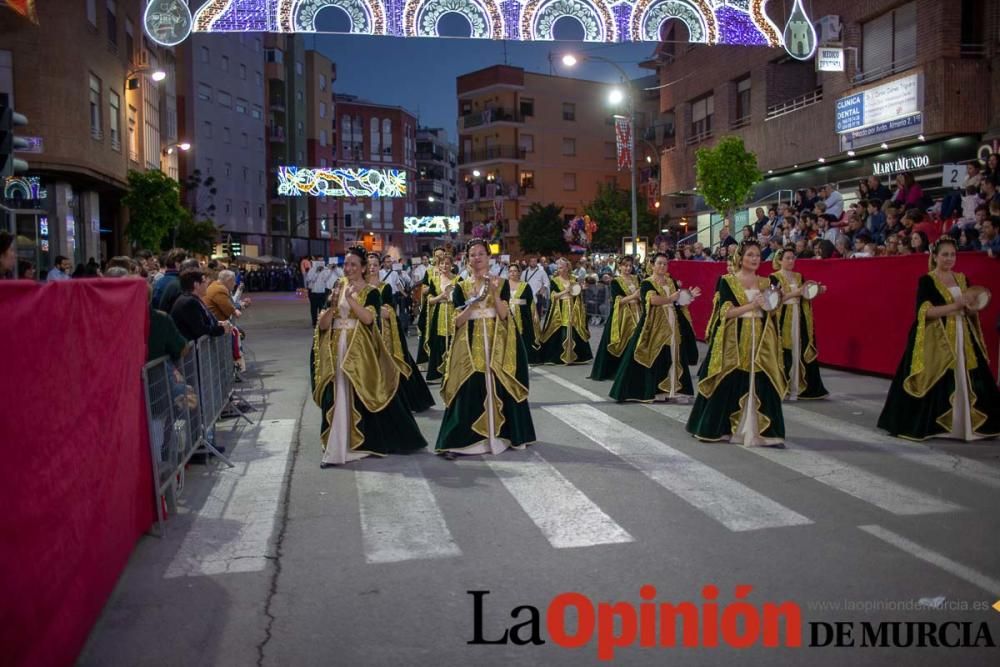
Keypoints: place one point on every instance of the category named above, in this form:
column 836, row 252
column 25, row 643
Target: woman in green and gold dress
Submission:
column 741, row 381
column 424, row 317
column 655, row 365
column 798, row 337
column 618, row 330
column 566, row 336
column 523, row 312
column 355, row 380
column 485, row 389
column 414, row 390
column 943, row 387
column 441, row 319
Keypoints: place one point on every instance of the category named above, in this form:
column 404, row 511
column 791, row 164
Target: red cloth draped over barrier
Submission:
column 863, row 319
column 76, row 485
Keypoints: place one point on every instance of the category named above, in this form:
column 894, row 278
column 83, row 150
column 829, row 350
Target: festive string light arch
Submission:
column 736, row 22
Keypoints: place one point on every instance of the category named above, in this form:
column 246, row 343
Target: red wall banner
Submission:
column 76, row 484
column 863, row 319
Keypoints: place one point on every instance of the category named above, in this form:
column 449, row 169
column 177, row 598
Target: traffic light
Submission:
column 9, row 119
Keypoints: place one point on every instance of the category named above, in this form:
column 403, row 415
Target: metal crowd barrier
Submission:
column 184, row 400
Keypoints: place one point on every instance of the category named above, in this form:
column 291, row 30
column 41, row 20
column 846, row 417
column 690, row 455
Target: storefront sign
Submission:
column 829, row 60
column 874, row 134
column 902, row 163
column 889, row 102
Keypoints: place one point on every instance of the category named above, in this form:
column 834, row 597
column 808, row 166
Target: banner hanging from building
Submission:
column 623, row 133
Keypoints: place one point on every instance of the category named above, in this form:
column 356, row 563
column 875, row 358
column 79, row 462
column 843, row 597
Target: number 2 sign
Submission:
column 952, row 175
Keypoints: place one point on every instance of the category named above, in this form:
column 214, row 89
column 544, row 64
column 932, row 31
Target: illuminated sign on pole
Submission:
column 431, row 224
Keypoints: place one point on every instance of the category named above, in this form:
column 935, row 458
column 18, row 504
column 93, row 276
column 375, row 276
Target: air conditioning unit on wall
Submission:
column 828, row 29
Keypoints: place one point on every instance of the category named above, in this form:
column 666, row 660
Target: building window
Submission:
column 204, row 92
column 526, row 142
column 274, row 56
column 112, row 23
column 569, row 146
column 299, row 96
column 527, row 180
column 205, row 55
column 322, row 137
column 95, row 107
column 226, row 135
column 92, row 12
column 114, row 127
column 229, row 206
column 244, row 140
column 246, row 179
column 206, row 128
column 208, row 166
column 260, row 178
column 225, row 63
column 569, row 181
column 527, row 107
column 229, row 172
column 569, row 111
column 322, row 82
column 243, row 70
column 743, row 100
column 260, row 211
column 256, row 45
column 133, row 135
column 701, row 116
column 129, row 41
column 387, row 139
column 889, row 42
column 256, row 112
column 225, row 99
column 259, row 78
column 610, row 150
column 298, row 67
column 322, row 109
column 241, row 105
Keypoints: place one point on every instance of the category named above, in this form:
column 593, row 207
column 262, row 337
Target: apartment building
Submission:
column 437, row 173
column 321, row 148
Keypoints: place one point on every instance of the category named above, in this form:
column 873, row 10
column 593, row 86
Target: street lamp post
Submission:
column 570, row 60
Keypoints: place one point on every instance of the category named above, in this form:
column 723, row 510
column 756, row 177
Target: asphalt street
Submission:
column 279, row 562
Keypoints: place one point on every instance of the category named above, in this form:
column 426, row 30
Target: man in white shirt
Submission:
column 834, row 201
column 395, row 278
column 319, row 282
column 419, row 270
column 538, row 280
column 61, row 270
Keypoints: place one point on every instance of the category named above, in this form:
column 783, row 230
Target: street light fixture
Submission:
column 368, row 216
column 183, row 146
column 430, row 199
column 476, row 173
column 132, row 81
column 617, row 96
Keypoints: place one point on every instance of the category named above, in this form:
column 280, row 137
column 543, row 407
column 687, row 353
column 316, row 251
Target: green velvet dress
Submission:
column 565, row 338
column 943, row 387
column 414, row 390
column 422, row 320
column 663, row 336
column 485, row 389
column 804, row 381
column 440, row 330
column 618, row 329
column 743, row 369
column 522, row 311
column 351, row 358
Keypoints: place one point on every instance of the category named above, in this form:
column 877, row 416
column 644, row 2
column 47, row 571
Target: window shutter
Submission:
column 876, row 53
column 905, row 38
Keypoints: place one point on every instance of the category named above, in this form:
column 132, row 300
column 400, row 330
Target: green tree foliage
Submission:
column 611, row 209
column 540, row 230
column 197, row 236
column 155, row 209
column 726, row 174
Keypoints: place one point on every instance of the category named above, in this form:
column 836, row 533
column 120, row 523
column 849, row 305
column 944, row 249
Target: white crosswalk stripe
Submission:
column 852, row 480
column 572, row 386
column 734, row 505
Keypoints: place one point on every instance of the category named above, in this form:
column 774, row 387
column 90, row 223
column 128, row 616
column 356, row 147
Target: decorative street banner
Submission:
column 738, row 22
column 623, row 133
column 431, row 224
column 296, row 182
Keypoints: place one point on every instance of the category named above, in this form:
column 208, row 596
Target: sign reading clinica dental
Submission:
column 882, row 104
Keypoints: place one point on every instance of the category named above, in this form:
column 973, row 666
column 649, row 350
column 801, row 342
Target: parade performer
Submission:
column 655, row 365
column 625, row 313
column 441, row 319
column 415, row 392
column 423, row 319
column 523, row 313
column 355, row 380
column 485, row 389
column 798, row 336
column 741, row 382
column 566, row 337
column 943, row 386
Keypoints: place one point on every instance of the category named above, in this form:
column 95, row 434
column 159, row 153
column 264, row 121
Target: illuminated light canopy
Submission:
column 24, row 187
column 738, row 22
column 431, row 224
column 298, row 182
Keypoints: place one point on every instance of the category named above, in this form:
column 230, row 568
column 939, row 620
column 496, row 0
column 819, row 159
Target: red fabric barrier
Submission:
column 863, row 319
column 76, row 485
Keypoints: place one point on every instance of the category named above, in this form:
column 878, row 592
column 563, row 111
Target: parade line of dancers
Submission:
column 478, row 335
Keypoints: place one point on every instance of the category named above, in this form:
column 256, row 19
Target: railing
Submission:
column 722, row 221
column 492, row 153
column 886, row 70
column 698, row 138
column 488, row 116
column 740, row 122
column 972, row 50
column 795, row 104
column 487, row 191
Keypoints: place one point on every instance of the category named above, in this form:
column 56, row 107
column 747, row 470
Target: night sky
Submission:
column 419, row 74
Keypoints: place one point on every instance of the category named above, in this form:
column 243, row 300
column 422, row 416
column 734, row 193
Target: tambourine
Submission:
column 810, row 290
column 980, row 297
column 449, row 290
column 575, row 289
column 684, row 297
column 772, row 298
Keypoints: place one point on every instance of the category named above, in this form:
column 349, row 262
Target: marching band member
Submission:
column 415, row 391
column 355, row 380
column 523, row 312
column 741, row 380
column 795, row 324
column 625, row 313
column 943, row 386
column 485, row 388
column 655, row 365
column 566, row 336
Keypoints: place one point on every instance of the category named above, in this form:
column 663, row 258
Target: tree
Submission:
column 611, row 209
column 197, row 236
column 540, row 230
column 726, row 174
column 155, row 209
column 199, row 194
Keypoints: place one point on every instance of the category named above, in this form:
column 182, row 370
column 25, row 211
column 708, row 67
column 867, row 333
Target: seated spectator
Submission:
column 968, row 239
column 930, row 228
column 908, row 193
column 802, row 249
column 189, row 312
column 26, row 270
column 842, row 247
column 919, row 242
column 989, row 193
column 699, row 253
column 892, row 245
column 725, row 238
column 218, row 297
column 823, row 249
column 989, row 235
column 834, row 200
column 878, row 190
column 876, row 224
column 117, row 272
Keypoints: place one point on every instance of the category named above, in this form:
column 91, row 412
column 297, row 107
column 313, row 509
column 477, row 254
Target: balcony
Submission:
column 491, row 153
column 276, row 103
column 430, row 156
column 473, row 192
column 795, row 104
column 276, row 134
column 490, row 116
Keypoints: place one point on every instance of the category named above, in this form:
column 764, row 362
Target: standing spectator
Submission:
column 189, row 313
column 61, row 269
column 761, row 220
column 834, row 201
column 318, row 281
column 876, row 220
column 168, row 288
